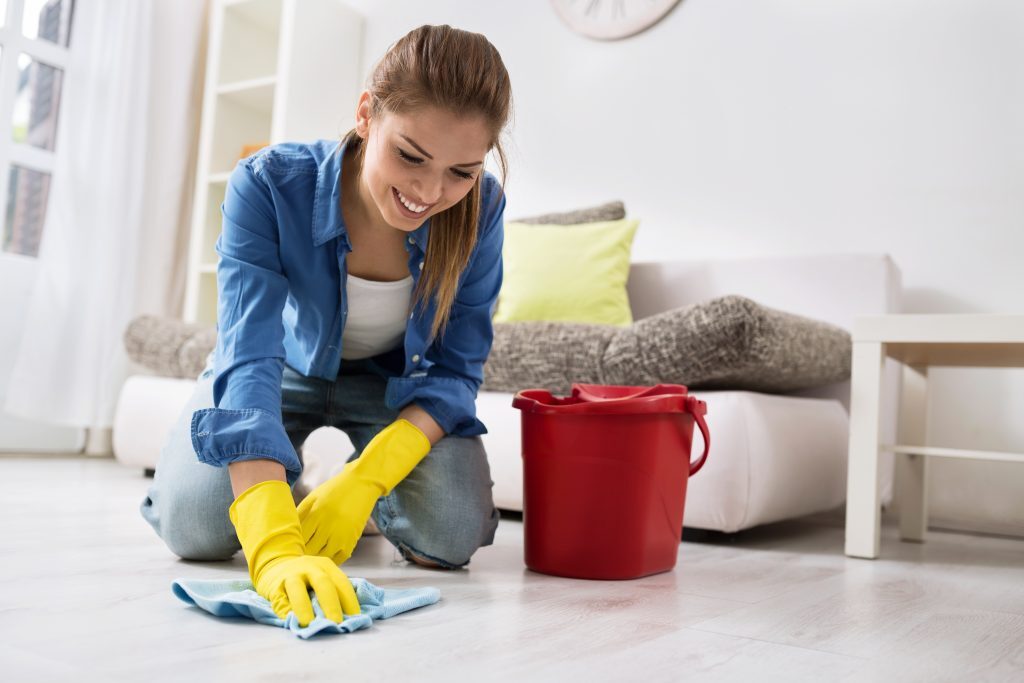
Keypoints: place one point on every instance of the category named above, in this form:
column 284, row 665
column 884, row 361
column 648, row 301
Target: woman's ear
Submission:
column 363, row 114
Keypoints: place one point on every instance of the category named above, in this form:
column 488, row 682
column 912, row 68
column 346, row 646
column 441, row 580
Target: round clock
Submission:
column 611, row 19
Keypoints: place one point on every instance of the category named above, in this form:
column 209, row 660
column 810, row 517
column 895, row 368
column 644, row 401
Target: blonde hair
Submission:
column 460, row 72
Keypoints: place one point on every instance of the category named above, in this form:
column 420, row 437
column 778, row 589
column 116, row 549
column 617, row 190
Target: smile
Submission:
column 410, row 206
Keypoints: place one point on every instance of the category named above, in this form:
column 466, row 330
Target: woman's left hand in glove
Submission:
column 334, row 514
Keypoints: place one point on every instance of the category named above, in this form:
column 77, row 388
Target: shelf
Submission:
column 249, row 43
column 965, row 454
column 212, row 223
column 255, row 93
column 235, row 125
column 263, row 14
column 206, row 306
column 267, row 61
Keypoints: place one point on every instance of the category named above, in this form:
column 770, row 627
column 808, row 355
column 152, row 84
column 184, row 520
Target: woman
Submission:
column 356, row 285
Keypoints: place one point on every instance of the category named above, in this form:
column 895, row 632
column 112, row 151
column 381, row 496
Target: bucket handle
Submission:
column 699, row 409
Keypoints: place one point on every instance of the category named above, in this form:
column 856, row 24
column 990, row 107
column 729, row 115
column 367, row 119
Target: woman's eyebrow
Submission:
column 430, row 156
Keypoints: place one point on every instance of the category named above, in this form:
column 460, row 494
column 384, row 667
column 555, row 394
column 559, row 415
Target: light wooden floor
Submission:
column 85, row 595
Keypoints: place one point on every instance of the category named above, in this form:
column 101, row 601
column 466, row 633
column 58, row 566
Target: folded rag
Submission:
column 228, row 598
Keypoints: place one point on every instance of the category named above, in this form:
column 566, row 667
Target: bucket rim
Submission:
column 585, row 399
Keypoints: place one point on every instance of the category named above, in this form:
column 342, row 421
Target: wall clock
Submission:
column 611, row 19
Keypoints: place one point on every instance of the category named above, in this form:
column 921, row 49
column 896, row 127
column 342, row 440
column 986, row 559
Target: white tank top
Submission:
column 377, row 316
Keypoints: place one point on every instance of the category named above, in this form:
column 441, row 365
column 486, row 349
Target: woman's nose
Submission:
column 429, row 190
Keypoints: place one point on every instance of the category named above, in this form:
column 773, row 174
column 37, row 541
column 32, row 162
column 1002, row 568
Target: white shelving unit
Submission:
column 276, row 71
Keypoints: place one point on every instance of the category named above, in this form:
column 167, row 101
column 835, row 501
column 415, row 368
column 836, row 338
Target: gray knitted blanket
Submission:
column 726, row 343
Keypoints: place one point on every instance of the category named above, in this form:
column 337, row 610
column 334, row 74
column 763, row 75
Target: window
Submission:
column 34, row 41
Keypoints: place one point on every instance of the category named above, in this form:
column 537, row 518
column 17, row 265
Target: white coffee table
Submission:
column 917, row 342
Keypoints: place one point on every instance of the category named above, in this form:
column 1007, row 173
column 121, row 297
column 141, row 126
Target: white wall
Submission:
column 786, row 126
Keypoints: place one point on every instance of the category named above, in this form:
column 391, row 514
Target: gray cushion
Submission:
column 611, row 211
column 726, row 343
column 169, row 347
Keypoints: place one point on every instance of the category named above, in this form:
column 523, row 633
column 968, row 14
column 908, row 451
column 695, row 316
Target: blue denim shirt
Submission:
column 281, row 285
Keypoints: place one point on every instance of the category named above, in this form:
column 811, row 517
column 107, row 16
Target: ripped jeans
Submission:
column 443, row 511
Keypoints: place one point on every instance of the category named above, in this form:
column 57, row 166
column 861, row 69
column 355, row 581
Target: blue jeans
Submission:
column 443, row 511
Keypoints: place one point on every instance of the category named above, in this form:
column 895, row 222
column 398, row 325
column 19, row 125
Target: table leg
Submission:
column 863, row 505
column 912, row 470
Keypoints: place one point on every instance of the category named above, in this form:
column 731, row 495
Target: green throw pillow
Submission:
column 573, row 274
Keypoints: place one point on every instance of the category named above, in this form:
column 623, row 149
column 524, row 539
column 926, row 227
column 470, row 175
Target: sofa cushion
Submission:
column 169, row 347
column 610, row 211
column 726, row 343
column 576, row 275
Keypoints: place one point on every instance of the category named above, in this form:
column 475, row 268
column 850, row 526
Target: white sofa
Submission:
column 772, row 456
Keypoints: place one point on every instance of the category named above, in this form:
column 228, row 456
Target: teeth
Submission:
column 415, row 208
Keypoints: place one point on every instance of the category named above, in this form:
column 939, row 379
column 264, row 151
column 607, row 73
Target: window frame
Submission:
column 14, row 43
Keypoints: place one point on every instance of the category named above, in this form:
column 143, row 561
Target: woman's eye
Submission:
column 408, row 157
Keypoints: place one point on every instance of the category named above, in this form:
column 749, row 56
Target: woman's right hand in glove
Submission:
column 268, row 527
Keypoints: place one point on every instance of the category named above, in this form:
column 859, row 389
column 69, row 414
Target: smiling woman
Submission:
column 408, row 171
column 434, row 106
column 376, row 321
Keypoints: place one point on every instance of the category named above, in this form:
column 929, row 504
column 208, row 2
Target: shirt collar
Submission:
column 327, row 219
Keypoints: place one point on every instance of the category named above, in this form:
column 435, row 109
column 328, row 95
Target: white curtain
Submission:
column 115, row 238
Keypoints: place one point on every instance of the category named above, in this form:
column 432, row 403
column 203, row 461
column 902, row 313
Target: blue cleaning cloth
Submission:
column 227, row 598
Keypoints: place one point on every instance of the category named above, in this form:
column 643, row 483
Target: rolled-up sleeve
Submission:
column 245, row 423
column 448, row 390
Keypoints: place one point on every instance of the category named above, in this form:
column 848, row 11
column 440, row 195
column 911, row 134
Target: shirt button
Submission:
column 412, row 241
column 411, row 315
column 421, row 265
column 416, row 358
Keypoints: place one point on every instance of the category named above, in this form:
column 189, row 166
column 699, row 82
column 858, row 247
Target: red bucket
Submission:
column 604, row 477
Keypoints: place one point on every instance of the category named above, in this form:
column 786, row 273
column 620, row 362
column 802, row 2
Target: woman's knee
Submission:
column 444, row 511
column 448, row 541
column 192, row 521
column 209, row 549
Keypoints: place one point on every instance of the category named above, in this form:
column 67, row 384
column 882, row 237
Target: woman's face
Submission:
column 419, row 163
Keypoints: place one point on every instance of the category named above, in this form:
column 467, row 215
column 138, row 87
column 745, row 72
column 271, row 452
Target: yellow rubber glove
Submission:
column 334, row 514
column 267, row 525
